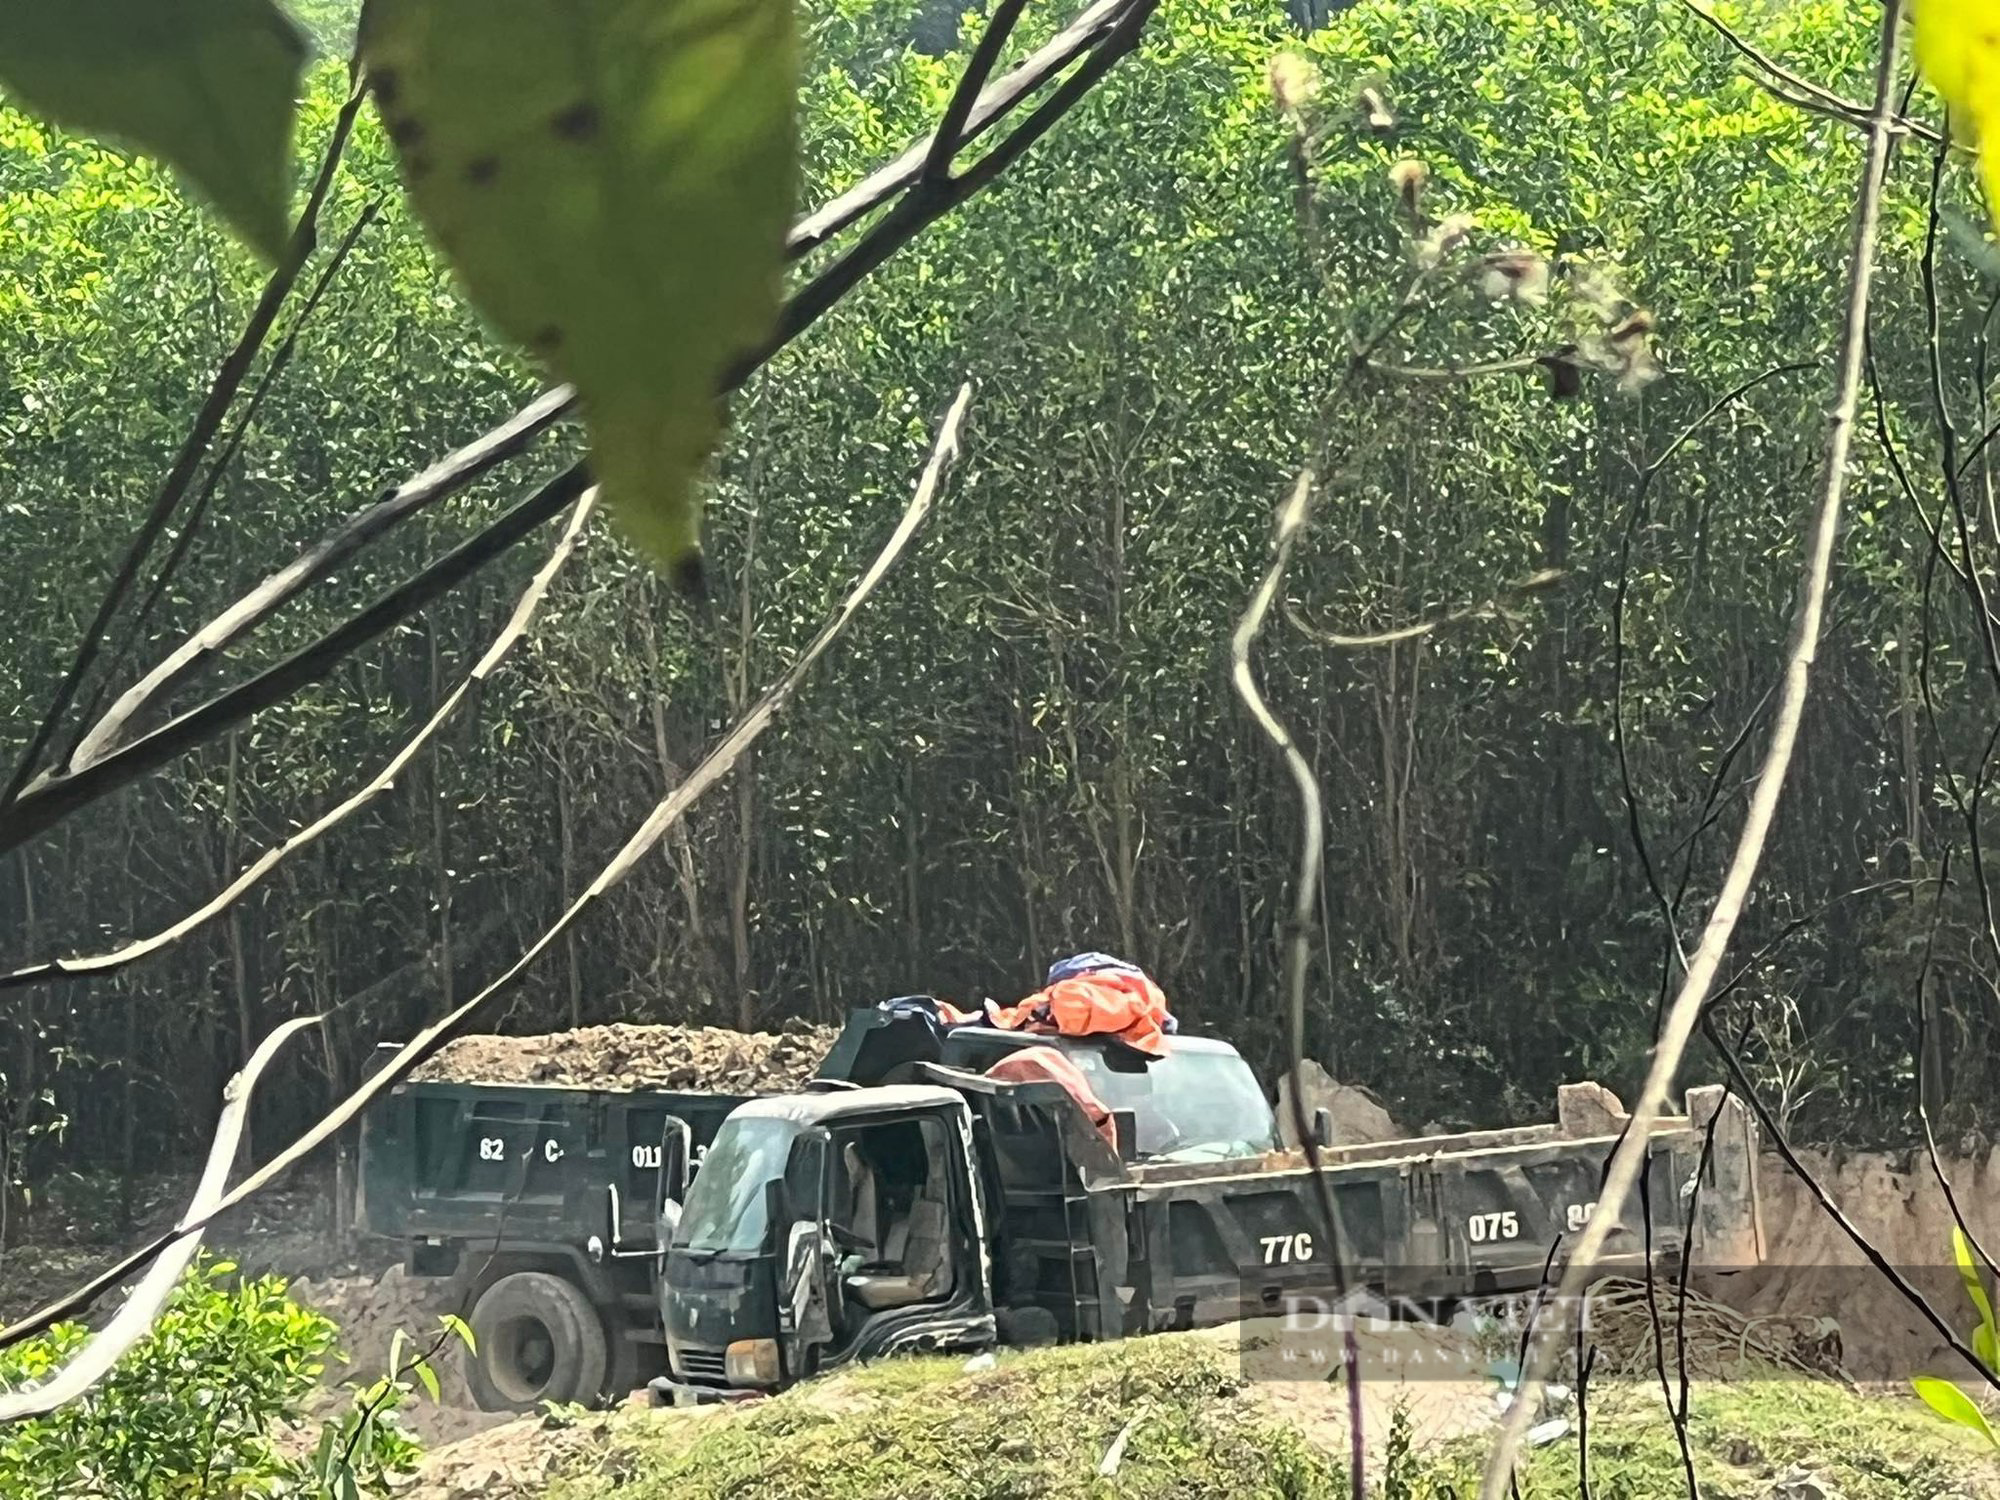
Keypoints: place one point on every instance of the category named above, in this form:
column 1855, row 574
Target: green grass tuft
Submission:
column 1035, row 1426
column 1746, row 1436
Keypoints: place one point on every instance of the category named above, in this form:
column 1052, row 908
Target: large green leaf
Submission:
column 612, row 180
column 1949, row 1402
column 208, row 86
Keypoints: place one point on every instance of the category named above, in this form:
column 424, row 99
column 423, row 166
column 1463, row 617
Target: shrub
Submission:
column 195, row 1410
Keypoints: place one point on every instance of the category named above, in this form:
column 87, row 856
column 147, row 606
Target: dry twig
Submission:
column 1816, row 569
column 1292, row 517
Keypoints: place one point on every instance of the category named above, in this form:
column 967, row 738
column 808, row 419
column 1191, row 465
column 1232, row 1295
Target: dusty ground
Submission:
column 75, row 1231
column 706, row 1058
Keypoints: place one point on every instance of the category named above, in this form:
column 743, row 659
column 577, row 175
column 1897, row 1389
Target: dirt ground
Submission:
column 706, row 1058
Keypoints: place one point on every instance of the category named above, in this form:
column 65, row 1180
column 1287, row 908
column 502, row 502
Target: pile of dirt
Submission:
column 704, row 1059
column 521, row 1457
column 369, row 1311
column 1812, row 1270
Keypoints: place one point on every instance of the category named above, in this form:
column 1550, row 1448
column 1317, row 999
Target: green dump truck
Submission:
column 541, row 1205
column 904, row 1199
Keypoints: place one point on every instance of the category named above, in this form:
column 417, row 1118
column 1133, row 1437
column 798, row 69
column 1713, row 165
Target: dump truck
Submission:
column 907, row 1201
column 538, row 1206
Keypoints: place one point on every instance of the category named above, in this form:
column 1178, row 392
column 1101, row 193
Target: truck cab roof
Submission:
column 826, row 1108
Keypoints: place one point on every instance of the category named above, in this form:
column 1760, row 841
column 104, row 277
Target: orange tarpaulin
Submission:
column 1046, row 1065
column 1120, row 1003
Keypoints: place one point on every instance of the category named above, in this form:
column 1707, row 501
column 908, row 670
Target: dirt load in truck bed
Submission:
column 687, row 1059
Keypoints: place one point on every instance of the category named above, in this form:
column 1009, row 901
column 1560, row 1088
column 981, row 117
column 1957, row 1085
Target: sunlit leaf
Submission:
column 1949, row 1402
column 612, row 180
column 1975, row 1289
column 462, row 1330
column 1958, row 49
column 207, row 86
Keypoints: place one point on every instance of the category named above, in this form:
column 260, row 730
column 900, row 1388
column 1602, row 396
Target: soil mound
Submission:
column 707, row 1059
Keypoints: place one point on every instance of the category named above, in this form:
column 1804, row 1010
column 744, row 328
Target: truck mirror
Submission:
column 1323, row 1128
column 1125, row 1125
column 674, row 1141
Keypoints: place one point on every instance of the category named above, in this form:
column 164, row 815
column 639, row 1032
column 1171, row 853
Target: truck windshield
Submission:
column 725, row 1202
column 1187, row 1104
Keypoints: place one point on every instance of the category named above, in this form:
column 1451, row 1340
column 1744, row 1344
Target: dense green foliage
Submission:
column 1028, row 745
column 200, row 1406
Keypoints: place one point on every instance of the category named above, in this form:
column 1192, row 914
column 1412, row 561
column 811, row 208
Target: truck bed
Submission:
column 531, row 1164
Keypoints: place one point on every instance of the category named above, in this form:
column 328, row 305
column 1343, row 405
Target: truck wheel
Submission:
column 539, row 1340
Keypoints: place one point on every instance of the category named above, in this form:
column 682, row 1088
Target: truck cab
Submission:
column 1199, row 1101
column 825, row 1227
column 912, row 1202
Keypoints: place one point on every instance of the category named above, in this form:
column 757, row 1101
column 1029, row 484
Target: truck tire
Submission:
column 539, row 1340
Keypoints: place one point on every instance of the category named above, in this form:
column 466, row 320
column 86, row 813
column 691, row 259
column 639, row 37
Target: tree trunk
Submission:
column 440, row 852
column 679, row 850
column 239, row 967
column 1906, row 713
column 739, row 890
column 746, row 776
column 913, row 917
column 566, row 842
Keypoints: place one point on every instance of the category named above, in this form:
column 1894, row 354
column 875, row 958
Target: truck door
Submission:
column 896, row 1258
column 799, row 1209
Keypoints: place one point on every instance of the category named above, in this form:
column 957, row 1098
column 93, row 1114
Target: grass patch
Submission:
column 1746, row 1437
column 1038, row 1424
column 1035, row 1426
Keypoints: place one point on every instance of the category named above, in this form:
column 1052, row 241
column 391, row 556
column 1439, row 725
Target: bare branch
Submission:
column 517, row 626
column 1292, row 517
column 214, row 407
column 1535, row 583
column 945, row 143
column 1809, row 612
column 1084, row 34
column 218, row 468
column 714, row 767
column 1520, row 364
column 134, row 1321
column 446, row 477
column 54, row 798
column 1797, row 90
column 1105, row 29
